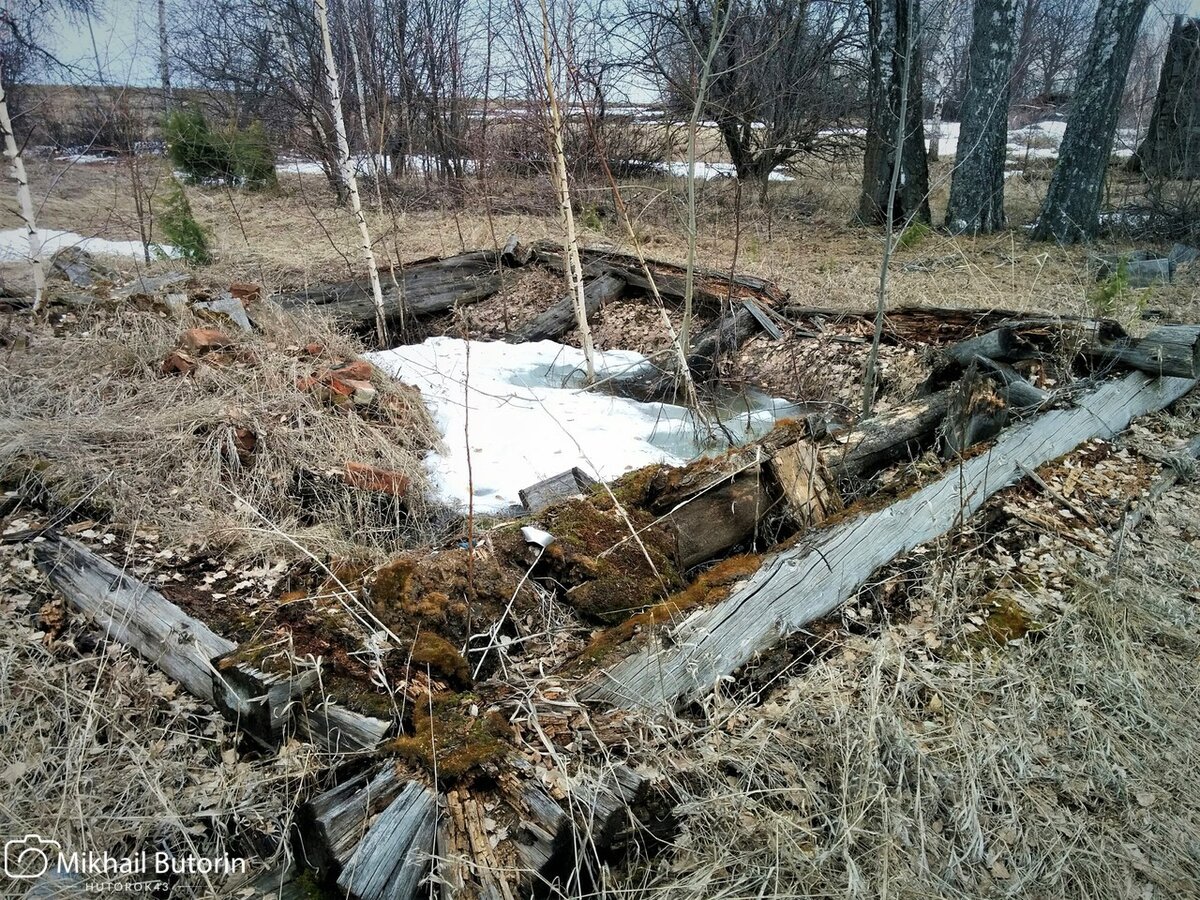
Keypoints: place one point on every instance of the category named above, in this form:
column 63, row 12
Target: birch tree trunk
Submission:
column 977, row 185
column 571, row 243
column 321, row 10
column 164, row 56
column 895, row 60
column 1070, row 211
column 24, row 202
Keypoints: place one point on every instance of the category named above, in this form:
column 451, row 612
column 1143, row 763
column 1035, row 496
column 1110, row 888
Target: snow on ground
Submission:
column 519, row 410
column 1038, row 140
column 14, row 245
column 415, row 164
column 707, row 170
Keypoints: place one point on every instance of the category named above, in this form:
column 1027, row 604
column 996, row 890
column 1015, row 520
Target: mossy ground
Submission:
column 446, row 740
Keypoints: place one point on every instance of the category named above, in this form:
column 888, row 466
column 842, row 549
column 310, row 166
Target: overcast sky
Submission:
column 126, row 43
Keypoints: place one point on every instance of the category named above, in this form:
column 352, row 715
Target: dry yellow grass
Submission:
column 296, row 235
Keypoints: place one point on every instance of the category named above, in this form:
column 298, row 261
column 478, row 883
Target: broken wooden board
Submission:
column 392, row 859
column 812, row 579
column 558, row 487
column 560, row 318
column 134, row 614
column 427, row 287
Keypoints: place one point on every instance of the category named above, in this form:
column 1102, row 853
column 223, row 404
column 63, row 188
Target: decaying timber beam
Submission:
column 1167, row 350
column 393, row 857
column 261, row 703
column 135, row 615
column 813, row 578
column 336, row 729
column 711, row 289
column 332, row 824
column 560, row 318
column 427, row 287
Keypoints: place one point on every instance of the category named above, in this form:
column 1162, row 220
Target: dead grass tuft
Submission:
column 87, row 415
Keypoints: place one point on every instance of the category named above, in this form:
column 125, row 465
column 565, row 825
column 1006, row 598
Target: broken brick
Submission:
column 178, row 363
column 359, row 370
column 371, row 478
column 203, row 340
column 245, row 291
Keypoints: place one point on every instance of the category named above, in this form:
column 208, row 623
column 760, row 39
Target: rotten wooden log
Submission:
column 393, row 857
column 427, row 287
column 260, row 703
column 813, row 578
column 331, row 825
column 802, row 478
column 897, row 435
column 336, row 729
column 135, row 615
column 976, row 413
column 1016, row 390
column 560, row 318
column 710, row 523
column 712, row 290
column 1172, row 350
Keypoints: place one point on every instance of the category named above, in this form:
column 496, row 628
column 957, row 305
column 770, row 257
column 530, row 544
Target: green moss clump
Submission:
column 447, row 740
column 613, row 572
column 1006, row 621
column 438, row 655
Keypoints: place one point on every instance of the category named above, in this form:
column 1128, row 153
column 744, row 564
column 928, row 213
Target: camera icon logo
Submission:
column 30, row 856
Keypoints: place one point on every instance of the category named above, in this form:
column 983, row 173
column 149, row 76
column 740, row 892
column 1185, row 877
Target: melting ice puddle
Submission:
column 515, row 413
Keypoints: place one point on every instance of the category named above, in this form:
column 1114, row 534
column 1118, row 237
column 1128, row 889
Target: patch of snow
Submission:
column 83, row 159
column 519, row 412
column 706, row 171
column 14, row 245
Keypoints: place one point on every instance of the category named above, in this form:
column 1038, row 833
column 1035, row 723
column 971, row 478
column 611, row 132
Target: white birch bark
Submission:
column 321, row 10
column 164, row 56
column 571, row 242
column 24, row 203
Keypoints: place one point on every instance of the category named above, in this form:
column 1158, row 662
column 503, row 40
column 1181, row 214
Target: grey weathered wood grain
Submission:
column 339, row 730
column 812, row 579
column 392, row 859
column 1167, row 350
column 333, row 823
column 260, row 703
column 550, row 490
column 134, row 614
column 560, row 318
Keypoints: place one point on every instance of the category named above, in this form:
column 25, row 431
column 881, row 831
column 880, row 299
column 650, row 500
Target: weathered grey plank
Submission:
column 560, row 318
column 134, row 614
column 806, row 582
column 391, row 861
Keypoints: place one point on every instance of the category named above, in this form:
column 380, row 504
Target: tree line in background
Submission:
column 451, row 88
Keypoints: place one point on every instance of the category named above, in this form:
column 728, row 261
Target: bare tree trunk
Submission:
column 719, row 27
column 24, row 203
column 1072, row 205
column 321, row 10
column 870, row 376
column 1172, row 145
column 571, row 243
column 941, row 81
column 977, row 189
column 895, row 73
column 164, row 57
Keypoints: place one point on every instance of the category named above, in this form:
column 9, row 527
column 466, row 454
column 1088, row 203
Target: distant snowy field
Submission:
column 1038, row 140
